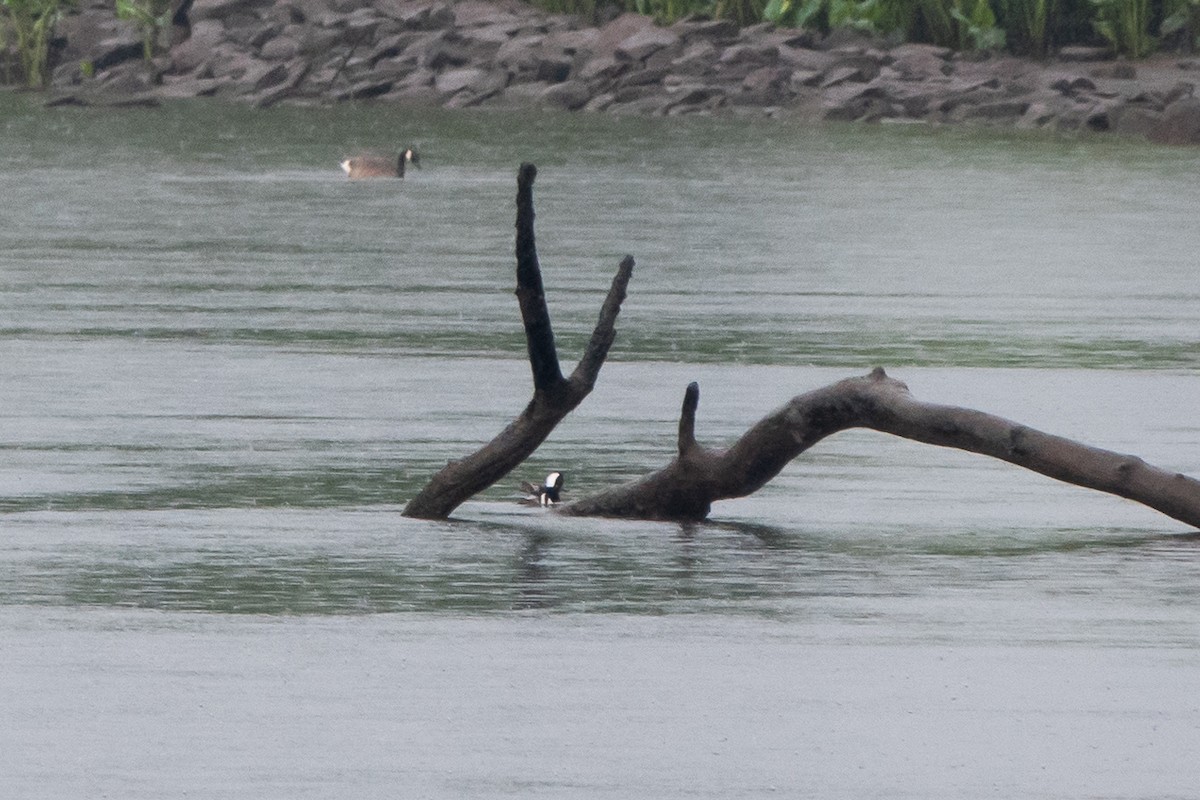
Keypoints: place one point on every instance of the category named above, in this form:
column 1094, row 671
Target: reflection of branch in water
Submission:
column 532, row 575
column 687, row 558
column 771, row 536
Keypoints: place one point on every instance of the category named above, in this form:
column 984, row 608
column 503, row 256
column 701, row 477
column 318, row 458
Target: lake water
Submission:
column 224, row 369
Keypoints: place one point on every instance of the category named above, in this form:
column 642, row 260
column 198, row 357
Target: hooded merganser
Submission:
column 369, row 166
column 545, row 495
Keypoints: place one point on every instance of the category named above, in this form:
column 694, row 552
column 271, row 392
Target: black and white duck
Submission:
column 547, row 494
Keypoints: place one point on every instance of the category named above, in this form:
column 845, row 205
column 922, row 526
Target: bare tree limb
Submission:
column 539, row 335
column 686, row 488
column 687, row 420
column 553, row 395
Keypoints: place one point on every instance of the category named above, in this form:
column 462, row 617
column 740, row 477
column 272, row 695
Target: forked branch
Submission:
column 686, row 488
column 553, row 395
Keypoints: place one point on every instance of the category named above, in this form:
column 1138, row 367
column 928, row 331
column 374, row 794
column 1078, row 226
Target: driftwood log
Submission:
column 686, row 488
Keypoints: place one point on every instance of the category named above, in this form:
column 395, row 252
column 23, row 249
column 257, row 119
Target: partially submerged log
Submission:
column 686, row 488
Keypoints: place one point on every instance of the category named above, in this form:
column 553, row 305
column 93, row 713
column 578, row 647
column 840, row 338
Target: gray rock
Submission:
column 281, row 48
column 766, row 81
column 203, row 10
column 1180, row 123
column 754, row 54
column 198, row 49
column 620, row 29
column 920, row 51
column 605, row 67
column 642, row 44
column 1073, row 86
column 1038, row 115
column 456, row 80
column 113, row 50
column 919, row 66
column 601, row 102
column 696, row 58
column 806, row 58
column 365, row 89
column 1119, row 71
column 1136, row 120
column 294, row 72
column 569, row 95
column 839, row 75
column 519, row 54
column 418, row 16
column 802, row 78
column 721, row 31
column 852, row 102
column 859, row 69
column 441, row 54
column 187, row 86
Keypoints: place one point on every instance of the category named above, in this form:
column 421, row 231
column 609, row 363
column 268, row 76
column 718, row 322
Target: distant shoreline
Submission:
column 511, row 55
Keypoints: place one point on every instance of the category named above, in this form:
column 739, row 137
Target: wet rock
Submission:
column 1180, row 123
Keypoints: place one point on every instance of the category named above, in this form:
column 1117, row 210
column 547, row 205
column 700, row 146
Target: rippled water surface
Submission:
column 224, row 369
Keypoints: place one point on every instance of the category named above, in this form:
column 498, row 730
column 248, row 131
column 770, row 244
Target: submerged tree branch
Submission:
column 686, row 488
column 553, row 395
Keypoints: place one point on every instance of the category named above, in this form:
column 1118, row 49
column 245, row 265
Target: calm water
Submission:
column 224, row 368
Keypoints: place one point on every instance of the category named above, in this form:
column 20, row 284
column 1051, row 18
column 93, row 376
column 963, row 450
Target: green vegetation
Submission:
column 1125, row 25
column 1029, row 24
column 1024, row 27
column 26, row 25
column 150, row 16
column 1181, row 20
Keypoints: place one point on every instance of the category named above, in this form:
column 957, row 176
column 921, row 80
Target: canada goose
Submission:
column 369, row 166
column 545, row 495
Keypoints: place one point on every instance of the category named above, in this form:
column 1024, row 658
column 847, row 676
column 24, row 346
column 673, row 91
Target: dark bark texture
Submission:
column 686, row 488
column 553, row 395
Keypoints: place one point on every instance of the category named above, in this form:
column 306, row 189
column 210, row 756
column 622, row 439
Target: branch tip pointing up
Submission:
column 687, row 419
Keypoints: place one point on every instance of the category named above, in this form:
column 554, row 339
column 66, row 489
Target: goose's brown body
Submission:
column 372, row 166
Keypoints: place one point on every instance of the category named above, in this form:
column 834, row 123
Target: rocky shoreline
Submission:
column 503, row 53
